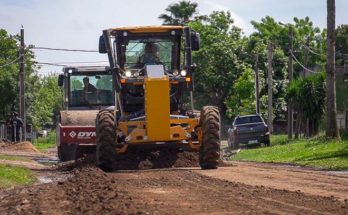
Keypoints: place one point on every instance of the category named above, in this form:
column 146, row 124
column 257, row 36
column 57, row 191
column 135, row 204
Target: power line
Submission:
column 312, row 51
column 303, row 67
column 63, row 49
column 69, row 63
column 51, row 64
column 9, row 63
column 81, row 62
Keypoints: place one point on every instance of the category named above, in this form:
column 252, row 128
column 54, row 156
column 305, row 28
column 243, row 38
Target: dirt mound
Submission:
column 22, row 146
column 141, row 160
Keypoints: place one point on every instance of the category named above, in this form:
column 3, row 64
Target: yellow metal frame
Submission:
column 147, row 29
column 135, row 132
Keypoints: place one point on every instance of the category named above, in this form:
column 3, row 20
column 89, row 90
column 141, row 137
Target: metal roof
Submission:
column 145, row 29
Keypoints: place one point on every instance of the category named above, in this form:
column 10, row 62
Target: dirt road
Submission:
column 163, row 191
column 236, row 188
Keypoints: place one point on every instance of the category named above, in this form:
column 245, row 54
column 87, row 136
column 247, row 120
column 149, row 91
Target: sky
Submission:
column 77, row 24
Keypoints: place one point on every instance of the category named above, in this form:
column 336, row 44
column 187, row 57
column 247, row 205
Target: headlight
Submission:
column 136, row 74
column 128, row 73
column 175, row 72
column 183, row 72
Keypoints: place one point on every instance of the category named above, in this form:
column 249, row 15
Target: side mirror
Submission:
column 60, row 80
column 195, row 41
column 102, row 47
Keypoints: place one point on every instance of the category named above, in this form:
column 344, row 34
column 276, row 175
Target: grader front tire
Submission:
column 106, row 137
column 210, row 148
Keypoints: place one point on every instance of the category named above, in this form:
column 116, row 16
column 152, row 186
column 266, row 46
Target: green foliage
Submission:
column 49, row 103
column 9, row 90
column 76, row 85
column 342, row 44
column 219, row 64
column 318, row 152
column 43, row 144
column 15, row 176
column 308, row 96
column 279, row 139
column 341, row 92
column 242, row 101
column 306, row 38
column 179, row 13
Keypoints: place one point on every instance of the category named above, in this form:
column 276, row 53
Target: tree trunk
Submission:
column 331, row 125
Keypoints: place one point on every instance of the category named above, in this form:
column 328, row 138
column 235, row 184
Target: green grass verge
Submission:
column 13, row 158
column 318, row 152
column 15, row 176
column 42, row 144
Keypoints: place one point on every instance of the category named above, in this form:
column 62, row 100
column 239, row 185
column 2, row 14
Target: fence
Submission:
column 9, row 133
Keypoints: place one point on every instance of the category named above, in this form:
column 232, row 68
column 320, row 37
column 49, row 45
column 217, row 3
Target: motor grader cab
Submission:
column 86, row 90
column 152, row 73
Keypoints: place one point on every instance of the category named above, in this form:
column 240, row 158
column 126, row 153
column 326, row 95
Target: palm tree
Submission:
column 179, row 13
column 331, row 125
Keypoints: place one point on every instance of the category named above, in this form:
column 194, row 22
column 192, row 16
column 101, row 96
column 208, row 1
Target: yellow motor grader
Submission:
column 152, row 72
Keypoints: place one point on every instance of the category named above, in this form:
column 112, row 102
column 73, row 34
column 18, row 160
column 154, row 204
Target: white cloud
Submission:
column 207, row 6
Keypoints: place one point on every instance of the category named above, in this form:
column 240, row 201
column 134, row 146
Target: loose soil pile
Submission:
column 21, row 146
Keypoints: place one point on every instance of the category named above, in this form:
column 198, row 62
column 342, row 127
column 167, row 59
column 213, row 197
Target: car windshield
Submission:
column 248, row 119
column 90, row 90
column 140, row 52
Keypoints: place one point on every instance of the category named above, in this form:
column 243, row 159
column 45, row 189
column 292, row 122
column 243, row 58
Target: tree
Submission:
column 9, row 70
column 49, row 103
column 242, row 101
column 342, row 45
column 331, row 125
column 308, row 96
column 179, row 13
column 219, row 62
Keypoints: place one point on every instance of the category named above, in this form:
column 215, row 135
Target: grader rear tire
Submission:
column 210, row 149
column 106, row 139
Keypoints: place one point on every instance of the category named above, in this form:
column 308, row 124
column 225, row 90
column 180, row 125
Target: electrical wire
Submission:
column 10, row 63
column 81, row 62
column 312, row 51
column 62, row 49
column 50, row 64
column 303, row 67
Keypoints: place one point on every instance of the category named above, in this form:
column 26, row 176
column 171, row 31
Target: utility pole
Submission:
column 257, row 91
column 269, row 81
column 291, row 74
column 22, row 86
column 331, row 110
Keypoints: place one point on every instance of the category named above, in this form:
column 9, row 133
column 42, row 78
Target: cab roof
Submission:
column 87, row 68
column 147, row 29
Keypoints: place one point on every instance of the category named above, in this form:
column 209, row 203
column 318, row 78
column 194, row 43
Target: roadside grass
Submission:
column 13, row 158
column 42, row 144
column 317, row 152
column 15, row 176
column 279, row 139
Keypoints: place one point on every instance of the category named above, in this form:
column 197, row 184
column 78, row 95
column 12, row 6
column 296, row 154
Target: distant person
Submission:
column 16, row 123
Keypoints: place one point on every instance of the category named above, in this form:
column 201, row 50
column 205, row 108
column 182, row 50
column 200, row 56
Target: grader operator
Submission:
column 152, row 73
